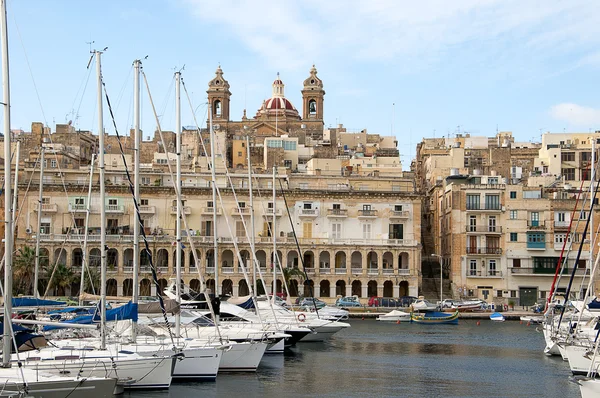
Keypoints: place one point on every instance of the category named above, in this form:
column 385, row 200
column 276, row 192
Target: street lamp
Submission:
column 441, row 277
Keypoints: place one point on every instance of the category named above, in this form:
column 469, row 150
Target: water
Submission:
column 373, row 359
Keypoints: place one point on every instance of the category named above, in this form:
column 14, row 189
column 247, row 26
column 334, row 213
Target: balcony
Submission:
column 367, row 213
column 341, row 271
column 209, row 211
column 372, row 271
column 399, row 214
column 484, row 250
column 536, row 245
column 147, row 209
column 120, row 209
column 227, row 270
column 77, row 208
column 486, row 229
column 403, row 271
column 337, row 212
column 544, row 271
column 561, row 224
column 356, row 269
column 240, row 211
column 46, row 207
column 388, row 271
column 534, row 224
column 472, row 273
column 309, row 213
column 187, row 210
column 484, row 207
column 310, row 270
column 269, row 212
column 325, row 270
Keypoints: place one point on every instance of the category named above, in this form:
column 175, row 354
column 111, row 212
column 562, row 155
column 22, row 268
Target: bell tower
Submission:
column 219, row 96
column 312, row 97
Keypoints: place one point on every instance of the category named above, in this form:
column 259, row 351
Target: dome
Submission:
column 279, row 103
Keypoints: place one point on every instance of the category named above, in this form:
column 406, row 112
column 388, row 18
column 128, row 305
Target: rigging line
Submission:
column 300, row 254
column 37, row 93
column 178, row 194
column 87, row 80
column 139, row 217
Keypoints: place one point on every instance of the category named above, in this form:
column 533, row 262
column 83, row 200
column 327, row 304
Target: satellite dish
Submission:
column 216, row 126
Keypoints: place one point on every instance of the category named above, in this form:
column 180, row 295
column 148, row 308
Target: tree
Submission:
column 290, row 272
column 61, row 278
column 24, row 271
column 91, row 282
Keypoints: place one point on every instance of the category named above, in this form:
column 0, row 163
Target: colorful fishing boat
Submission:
column 435, row 317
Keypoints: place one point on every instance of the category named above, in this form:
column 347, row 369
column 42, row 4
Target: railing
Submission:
column 484, row 250
column 309, row 212
column 211, row 211
column 561, row 224
column 403, row 271
column 483, row 186
column 484, row 274
column 484, row 206
column 401, row 214
column 227, row 270
column 337, row 212
column 367, row 213
column 484, row 228
column 356, row 270
column 536, row 245
column 388, row 271
column 76, row 208
column 114, row 208
column 147, row 209
column 46, row 207
column 309, row 270
column 324, row 270
column 372, row 271
column 534, row 224
column 240, row 210
column 546, row 271
column 210, row 270
column 187, row 210
column 340, row 271
column 269, row 212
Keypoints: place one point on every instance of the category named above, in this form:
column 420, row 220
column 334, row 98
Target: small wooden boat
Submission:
column 497, row 317
column 435, row 317
column 395, row 316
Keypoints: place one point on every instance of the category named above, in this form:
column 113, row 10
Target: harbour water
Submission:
column 373, row 359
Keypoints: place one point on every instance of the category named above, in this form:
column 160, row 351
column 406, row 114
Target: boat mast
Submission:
column 8, row 230
column 136, row 187
column 275, row 257
column 15, row 202
column 214, row 196
column 36, row 271
column 88, row 210
column 252, row 228
column 178, row 251
column 102, row 205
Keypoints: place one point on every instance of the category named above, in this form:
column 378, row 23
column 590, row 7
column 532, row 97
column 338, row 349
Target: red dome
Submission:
column 279, row 103
column 277, row 81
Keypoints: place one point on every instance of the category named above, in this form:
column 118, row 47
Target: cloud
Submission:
column 290, row 33
column 576, row 115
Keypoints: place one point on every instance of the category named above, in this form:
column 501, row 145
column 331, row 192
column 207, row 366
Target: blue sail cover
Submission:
column 34, row 302
column 15, row 327
column 127, row 311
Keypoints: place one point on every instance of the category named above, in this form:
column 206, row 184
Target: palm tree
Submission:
column 288, row 274
column 61, row 278
column 92, row 280
column 24, row 270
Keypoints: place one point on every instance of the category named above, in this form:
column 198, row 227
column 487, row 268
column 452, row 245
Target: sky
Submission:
column 411, row 69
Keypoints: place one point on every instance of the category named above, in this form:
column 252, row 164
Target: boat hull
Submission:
column 84, row 388
column 435, row 318
column 243, row 357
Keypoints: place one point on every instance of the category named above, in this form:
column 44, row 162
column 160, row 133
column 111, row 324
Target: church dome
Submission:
column 278, row 103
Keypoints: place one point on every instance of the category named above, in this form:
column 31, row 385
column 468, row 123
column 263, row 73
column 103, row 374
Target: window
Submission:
column 472, row 224
column 586, row 156
column 516, row 262
column 492, row 267
column 397, row 207
column 267, row 228
column 513, row 236
column 493, row 180
column 559, row 239
column 45, row 228
column 145, row 180
column 492, row 224
column 80, row 222
column 312, row 107
column 80, row 201
column 396, row 231
column 366, row 231
column 583, row 215
column 239, row 229
column 536, row 237
column 473, row 202
column 366, row 207
column 307, row 230
column 492, row 202
column 473, row 267
column 269, row 205
column 513, row 214
column 144, row 202
column 586, row 174
column 336, row 231
column 217, row 108
column 209, row 204
column 499, row 293
column 207, row 228
column 307, row 206
column 336, row 206
column 45, row 201
column 241, row 205
column 534, row 219
column 568, row 173
column 513, row 194
column 239, row 154
column 567, row 156
column 53, row 163
column 287, row 163
column 513, row 293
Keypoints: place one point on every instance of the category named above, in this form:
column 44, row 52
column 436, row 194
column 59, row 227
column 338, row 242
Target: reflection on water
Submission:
column 386, row 360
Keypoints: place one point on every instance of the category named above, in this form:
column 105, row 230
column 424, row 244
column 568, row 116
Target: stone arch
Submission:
column 403, row 288
column 45, row 256
column 145, row 287
column 309, row 259
column 192, row 260
column 260, row 288
column 227, row 259
column 292, row 259
column 340, row 260
column 243, row 288
column 261, row 258
column 77, row 258
column 356, row 260
column 144, row 260
column 324, row 288
column 210, row 284
column 372, row 260
column 245, row 255
column 111, row 287
column 357, row 288
column 195, row 285
column 324, row 260
column 293, row 286
column 372, row 289
column 388, row 289
column 309, row 288
column 210, row 258
column 162, row 258
column 388, row 261
column 340, row 287
column 60, row 256
column 128, row 258
column 279, row 286
column 276, row 259
column 227, row 287
column 95, row 258
column 112, row 258
column 128, row 287
column 162, row 285
column 403, row 261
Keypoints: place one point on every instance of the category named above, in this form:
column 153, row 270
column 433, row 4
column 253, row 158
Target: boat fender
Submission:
column 301, row 317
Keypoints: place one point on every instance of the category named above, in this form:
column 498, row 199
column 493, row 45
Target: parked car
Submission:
column 311, row 302
column 348, row 301
column 406, row 301
column 383, row 302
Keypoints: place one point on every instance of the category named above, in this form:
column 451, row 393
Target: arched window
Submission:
column 312, row 107
column 217, row 108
